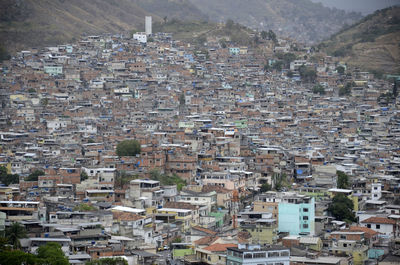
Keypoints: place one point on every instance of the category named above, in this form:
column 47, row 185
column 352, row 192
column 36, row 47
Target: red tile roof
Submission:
column 204, row 230
column 379, row 220
column 219, row 247
column 207, row 240
column 368, row 232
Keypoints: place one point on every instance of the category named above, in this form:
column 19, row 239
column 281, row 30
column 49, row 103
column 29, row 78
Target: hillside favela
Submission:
column 195, row 132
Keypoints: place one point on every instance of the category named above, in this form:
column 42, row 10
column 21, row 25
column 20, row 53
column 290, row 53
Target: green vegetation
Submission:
column 342, row 208
column 286, row 58
column 14, row 233
column 280, row 14
column 121, row 178
column 84, row 207
column 4, row 54
column 44, row 101
column 375, row 35
column 108, row 261
column 51, row 254
column 167, row 180
column 318, row 89
column 346, row 90
column 183, row 29
column 280, row 181
column 84, row 176
column 17, row 257
column 34, row 176
column 7, row 178
column 182, row 99
column 269, row 35
column 343, row 181
column 340, row 69
column 307, row 74
column 128, row 148
column 265, row 187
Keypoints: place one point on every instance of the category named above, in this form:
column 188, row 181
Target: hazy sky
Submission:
column 363, row 6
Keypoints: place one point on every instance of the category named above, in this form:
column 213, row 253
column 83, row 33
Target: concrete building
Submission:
column 255, row 254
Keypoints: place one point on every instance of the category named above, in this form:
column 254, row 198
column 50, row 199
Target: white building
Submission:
column 376, row 191
column 148, row 25
column 381, row 225
column 140, row 37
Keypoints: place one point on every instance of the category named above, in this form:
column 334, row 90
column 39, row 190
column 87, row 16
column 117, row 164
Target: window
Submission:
column 305, row 210
column 305, row 225
column 369, row 225
column 378, row 226
column 305, row 217
column 345, row 245
column 248, row 256
column 342, row 236
column 284, row 253
column 259, row 255
column 273, row 254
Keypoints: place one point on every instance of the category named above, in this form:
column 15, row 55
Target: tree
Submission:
column 182, row 99
column 340, row 69
column 17, row 257
column 318, row 89
column 222, row 42
column 122, row 178
column 128, row 148
column 307, row 74
column 14, row 233
column 4, row 55
column 345, row 90
column 342, row 180
column 51, row 254
column 395, row 91
column 264, row 35
column 34, row 176
column 229, row 23
column 84, row 176
column 267, row 67
column 272, row 36
column 278, row 65
column 7, row 178
column 265, row 187
column 108, row 261
column 342, row 208
column 288, row 58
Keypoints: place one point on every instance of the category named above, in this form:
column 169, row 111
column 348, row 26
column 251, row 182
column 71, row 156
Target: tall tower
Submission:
column 148, row 26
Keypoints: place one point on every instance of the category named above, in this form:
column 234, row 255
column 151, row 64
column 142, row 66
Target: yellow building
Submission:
column 262, row 231
column 358, row 251
column 184, row 215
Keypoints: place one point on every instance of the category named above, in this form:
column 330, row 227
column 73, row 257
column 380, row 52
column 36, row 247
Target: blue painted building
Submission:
column 297, row 215
column 234, row 50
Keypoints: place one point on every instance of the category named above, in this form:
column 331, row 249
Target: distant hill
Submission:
column 300, row 19
column 373, row 43
column 197, row 32
column 31, row 23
